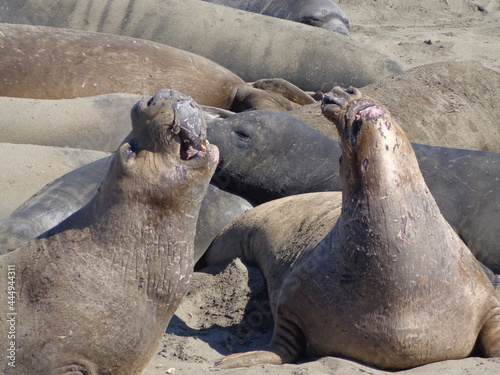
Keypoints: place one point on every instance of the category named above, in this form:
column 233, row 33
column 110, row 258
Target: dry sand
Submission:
column 227, row 311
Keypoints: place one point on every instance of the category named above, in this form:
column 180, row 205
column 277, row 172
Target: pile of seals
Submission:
column 355, row 279
column 377, row 252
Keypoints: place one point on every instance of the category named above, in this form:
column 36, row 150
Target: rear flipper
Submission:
column 489, row 337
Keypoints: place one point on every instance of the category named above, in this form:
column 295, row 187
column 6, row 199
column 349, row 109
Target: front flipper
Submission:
column 270, row 94
column 287, row 345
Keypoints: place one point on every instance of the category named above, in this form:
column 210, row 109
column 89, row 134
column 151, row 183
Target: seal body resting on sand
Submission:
column 284, row 49
column 52, row 63
column 391, row 282
column 320, row 13
column 95, row 294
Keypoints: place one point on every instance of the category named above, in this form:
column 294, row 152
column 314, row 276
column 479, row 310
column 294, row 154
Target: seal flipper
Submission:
column 489, row 337
column 286, row 346
column 248, row 359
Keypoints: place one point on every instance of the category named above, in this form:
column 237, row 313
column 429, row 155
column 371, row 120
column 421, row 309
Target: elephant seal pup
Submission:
column 391, row 281
column 320, row 13
column 96, row 293
column 52, row 63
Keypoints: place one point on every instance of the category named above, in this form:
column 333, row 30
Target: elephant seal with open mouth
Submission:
column 95, row 293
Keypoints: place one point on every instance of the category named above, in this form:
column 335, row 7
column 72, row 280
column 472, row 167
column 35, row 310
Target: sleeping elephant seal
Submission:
column 251, row 45
column 98, row 122
column 446, row 104
column 320, row 13
column 96, row 293
column 50, row 63
column 267, row 155
column 93, row 123
column 28, row 168
column 389, row 284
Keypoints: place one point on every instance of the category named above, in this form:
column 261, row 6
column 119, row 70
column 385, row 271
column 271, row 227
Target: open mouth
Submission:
column 174, row 124
column 190, row 151
column 192, row 129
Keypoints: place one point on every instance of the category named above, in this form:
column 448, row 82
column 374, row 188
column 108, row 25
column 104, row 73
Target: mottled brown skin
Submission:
column 391, row 285
column 95, row 294
column 52, row 63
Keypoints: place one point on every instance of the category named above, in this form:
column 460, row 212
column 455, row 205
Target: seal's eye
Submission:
column 242, row 134
column 312, row 21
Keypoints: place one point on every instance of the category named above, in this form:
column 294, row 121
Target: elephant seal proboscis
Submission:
column 320, row 13
column 391, row 282
column 53, row 63
column 95, row 294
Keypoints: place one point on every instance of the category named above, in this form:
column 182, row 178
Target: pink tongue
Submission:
column 191, row 153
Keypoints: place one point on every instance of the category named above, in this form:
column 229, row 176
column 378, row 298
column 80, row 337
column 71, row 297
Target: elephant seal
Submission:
column 28, row 168
column 72, row 64
column 93, row 123
column 70, row 192
column 320, row 13
column 267, row 155
column 95, row 294
column 450, row 104
column 389, row 284
column 284, row 49
column 426, row 99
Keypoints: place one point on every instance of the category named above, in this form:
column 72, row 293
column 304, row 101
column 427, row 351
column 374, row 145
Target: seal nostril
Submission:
column 350, row 91
column 337, row 100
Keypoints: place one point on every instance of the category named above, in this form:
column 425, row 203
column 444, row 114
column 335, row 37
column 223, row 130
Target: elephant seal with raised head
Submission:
column 267, row 155
column 95, row 294
column 389, row 284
